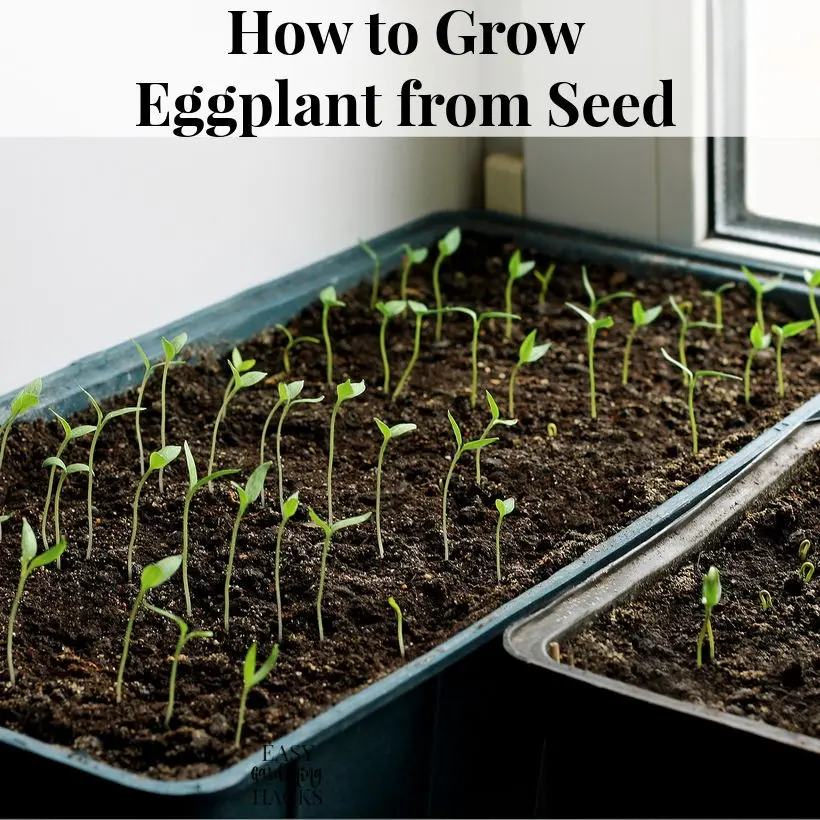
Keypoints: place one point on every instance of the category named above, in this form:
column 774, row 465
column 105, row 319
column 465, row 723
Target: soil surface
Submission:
column 767, row 663
column 572, row 491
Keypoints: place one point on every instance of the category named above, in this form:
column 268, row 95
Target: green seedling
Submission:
column 712, row 591
column 289, row 509
column 516, row 269
column 399, row 622
column 102, row 420
column 595, row 304
column 388, row 310
column 29, row 561
column 194, row 484
column 781, row 334
column 545, row 279
column 693, row 379
column 504, row 507
column 170, row 350
column 156, row 461
column 344, row 392
column 461, row 448
column 552, row 430
column 388, row 433
column 760, row 341
column 528, row 353
column 411, row 257
column 446, row 248
column 593, row 326
column 683, row 312
column 329, row 300
column 152, row 576
column 185, row 635
column 65, row 471
column 765, row 600
column 247, row 496
column 288, row 397
column 420, row 311
column 717, row 296
column 806, row 571
column 813, row 282
column 495, row 421
column 640, row 318
column 3, row 519
column 292, row 341
column 329, row 531
column 69, row 435
column 803, row 549
column 761, row 287
column 374, row 293
column 25, row 400
column 251, row 676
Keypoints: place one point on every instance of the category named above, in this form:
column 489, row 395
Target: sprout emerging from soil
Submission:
column 765, row 600
column 593, row 326
column 760, row 341
column 781, row 334
column 528, row 353
column 65, row 471
column 504, row 506
column 411, row 257
column 289, row 509
column 329, row 531
column 693, row 379
column 552, row 430
column 388, row 433
column 292, row 341
column 247, row 496
column 545, row 279
column 329, row 300
column 194, row 484
column 712, row 591
column 495, row 421
column 683, row 311
column 803, row 549
column 152, row 576
column 516, row 269
column 640, row 318
column 102, row 420
column 420, row 311
column 185, row 635
column 377, row 265
column 170, row 350
column 29, row 561
column 399, row 622
column 251, row 676
column 595, row 303
column 813, row 282
column 761, row 287
column 388, row 310
column 461, row 448
column 344, row 392
column 717, row 297
column 446, row 248
column 26, row 399
column 806, row 571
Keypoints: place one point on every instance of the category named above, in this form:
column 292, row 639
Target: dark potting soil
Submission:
column 572, row 492
column 767, row 663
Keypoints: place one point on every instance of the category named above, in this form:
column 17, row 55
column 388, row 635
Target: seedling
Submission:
column 329, row 300
column 806, row 571
column 712, row 591
column 156, row 461
column 242, row 377
column 505, row 507
column 717, row 296
column 683, row 311
column 185, row 635
column 68, row 436
column 516, row 269
column 330, row 530
column 813, row 282
column 495, row 421
column 420, row 311
column 374, row 293
column 411, row 257
column 152, row 576
column 399, row 622
column 388, row 433
column 102, row 420
column 252, row 677
column 194, row 484
column 461, row 448
column 247, row 496
column 344, row 392
column 289, row 509
column 552, row 430
column 595, row 303
column 803, row 549
column 593, row 326
column 765, row 600
column 640, row 318
column 545, row 279
column 760, row 341
column 26, row 399
column 781, row 334
column 388, row 310
column 292, row 341
column 29, row 561
column 761, row 287
column 170, row 350
column 528, row 353
column 65, row 471
column 693, row 379
column 446, row 248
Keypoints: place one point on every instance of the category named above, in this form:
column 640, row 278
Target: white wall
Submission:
column 105, row 239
